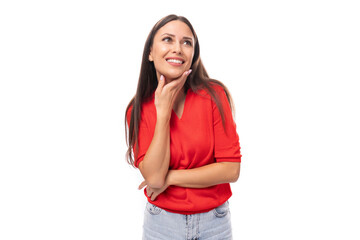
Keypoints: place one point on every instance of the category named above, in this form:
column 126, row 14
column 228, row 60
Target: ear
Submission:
column 150, row 57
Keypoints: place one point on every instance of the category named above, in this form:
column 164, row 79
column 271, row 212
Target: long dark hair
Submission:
column 198, row 79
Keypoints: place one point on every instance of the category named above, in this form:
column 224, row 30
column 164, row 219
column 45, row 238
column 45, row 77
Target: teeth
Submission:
column 174, row 61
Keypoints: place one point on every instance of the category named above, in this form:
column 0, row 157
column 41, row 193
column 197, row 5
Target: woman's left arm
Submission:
column 205, row 176
column 201, row 177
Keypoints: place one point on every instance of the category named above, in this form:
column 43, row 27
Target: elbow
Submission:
column 235, row 174
column 231, row 171
column 236, row 177
column 155, row 182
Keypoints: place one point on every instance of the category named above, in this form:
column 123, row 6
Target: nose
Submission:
column 177, row 48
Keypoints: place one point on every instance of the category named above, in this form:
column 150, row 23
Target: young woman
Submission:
column 182, row 137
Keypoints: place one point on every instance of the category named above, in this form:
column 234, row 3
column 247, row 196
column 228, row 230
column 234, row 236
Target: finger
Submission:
column 178, row 83
column 184, row 77
column 186, row 74
column 149, row 192
column 143, row 184
column 161, row 84
column 154, row 196
column 181, row 80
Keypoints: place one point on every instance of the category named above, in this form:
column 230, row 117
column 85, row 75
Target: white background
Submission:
column 69, row 68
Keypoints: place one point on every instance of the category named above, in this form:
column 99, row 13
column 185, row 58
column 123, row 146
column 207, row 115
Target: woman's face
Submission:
column 172, row 50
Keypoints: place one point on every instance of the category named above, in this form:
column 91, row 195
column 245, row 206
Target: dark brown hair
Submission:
column 197, row 80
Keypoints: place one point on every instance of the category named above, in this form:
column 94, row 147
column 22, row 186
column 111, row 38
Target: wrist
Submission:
column 170, row 178
column 163, row 119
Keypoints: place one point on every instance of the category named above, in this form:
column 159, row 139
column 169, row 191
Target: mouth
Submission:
column 175, row 61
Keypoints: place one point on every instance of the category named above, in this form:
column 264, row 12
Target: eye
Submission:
column 167, row 39
column 187, row 42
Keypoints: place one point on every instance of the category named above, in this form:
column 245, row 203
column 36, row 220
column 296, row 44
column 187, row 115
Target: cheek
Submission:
column 160, row 51
column 190, row 57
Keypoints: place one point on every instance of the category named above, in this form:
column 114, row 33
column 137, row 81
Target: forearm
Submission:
column 205, row 176
column 155, row 164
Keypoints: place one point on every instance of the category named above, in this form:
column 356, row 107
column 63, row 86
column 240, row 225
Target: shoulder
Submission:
column 215, row 89
column 129, row 111
column 147, row 107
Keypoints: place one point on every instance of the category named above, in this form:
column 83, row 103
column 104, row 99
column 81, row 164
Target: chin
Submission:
column 173, row 75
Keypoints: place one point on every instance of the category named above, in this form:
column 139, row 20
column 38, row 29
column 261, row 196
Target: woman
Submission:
column 182, row 137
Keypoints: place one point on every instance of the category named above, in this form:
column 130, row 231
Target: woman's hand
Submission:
column 165, row 95
column 153, row 192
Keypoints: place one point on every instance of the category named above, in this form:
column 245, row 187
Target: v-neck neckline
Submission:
column 183, row 112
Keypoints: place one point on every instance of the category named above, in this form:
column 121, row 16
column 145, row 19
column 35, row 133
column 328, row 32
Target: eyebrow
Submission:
column 172, row 35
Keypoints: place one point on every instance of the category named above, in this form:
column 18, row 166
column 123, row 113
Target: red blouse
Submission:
column 198, row 138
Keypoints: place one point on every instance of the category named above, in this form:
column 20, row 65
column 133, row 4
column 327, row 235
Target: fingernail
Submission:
column 161, row 77
column 190, row 70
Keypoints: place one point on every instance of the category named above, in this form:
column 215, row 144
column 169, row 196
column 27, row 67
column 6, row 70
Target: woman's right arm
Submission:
column 155, row 165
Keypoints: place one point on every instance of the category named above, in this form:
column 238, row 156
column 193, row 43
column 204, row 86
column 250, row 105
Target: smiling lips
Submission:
column 175, row 61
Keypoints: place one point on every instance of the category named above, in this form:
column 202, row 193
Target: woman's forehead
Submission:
column 177, row 28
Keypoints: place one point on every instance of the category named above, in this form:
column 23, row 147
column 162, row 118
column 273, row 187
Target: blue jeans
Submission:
column 162, row 225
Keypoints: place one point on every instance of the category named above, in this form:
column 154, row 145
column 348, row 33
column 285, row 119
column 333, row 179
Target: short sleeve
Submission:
column 145, row 136
column 226, row 139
